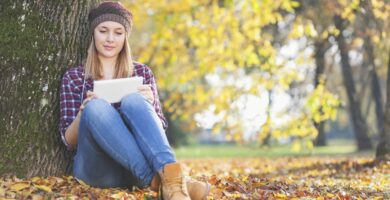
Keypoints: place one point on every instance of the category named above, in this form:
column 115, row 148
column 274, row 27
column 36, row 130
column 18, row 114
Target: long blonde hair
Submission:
column 123, row 67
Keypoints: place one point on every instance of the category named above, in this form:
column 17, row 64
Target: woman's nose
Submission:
column 110, row 37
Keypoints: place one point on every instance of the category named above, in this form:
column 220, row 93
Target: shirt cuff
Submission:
column 68, row 146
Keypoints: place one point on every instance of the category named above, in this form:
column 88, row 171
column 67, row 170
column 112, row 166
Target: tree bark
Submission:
column 383, row 148
column 320, row 49
column 39, row 40
column 371, row 24
column 359, row 123
column 375, row 86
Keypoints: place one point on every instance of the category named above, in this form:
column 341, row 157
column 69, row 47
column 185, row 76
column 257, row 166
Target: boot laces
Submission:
column 175, row 185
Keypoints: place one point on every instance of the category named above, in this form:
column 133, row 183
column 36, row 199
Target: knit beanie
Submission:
column 110, row 11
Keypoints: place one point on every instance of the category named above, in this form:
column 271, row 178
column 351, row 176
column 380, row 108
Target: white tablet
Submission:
column 114, row 90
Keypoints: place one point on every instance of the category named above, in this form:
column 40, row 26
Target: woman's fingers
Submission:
column 84, row 103
column 91, row 94
column 144, row 88
column 146, row 91
column 148, row 95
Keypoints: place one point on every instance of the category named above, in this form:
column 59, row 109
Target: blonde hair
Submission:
column 123, row 67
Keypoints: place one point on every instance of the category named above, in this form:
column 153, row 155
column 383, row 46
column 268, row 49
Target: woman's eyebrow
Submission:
column 120, row 28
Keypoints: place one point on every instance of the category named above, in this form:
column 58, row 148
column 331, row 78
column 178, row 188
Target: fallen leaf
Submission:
column 43, row 187
column 282, row 196
column 20, row 186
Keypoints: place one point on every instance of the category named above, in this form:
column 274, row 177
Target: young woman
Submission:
column 121, row 144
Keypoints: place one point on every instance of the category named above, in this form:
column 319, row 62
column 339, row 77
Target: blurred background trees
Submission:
column 212, row 56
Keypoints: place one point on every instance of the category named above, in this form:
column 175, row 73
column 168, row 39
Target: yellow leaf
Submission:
column 44, row 188
column 282, row 196
column 35, row 179
column 258, row 184
column 20, row 186
column 69, row 178
column 309, row 144
column 309, row 30
column 330, row 195
column 296, row 147
column 237, row 137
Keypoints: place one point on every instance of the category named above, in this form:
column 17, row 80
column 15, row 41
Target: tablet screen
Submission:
column 115, row 89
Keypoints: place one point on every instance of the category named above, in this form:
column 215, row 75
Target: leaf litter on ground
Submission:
column 319, row 178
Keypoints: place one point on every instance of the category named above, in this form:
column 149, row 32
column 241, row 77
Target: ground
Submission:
column 320, row 177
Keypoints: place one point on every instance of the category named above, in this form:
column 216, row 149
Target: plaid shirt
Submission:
column 72, row 86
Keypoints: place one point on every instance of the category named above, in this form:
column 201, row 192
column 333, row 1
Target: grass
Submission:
column 230, row 151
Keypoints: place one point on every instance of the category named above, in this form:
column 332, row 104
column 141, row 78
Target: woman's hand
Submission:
column 146, row 91
column 90, row 95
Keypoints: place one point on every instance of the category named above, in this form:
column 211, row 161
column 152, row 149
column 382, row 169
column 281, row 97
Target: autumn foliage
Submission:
column 209, row 54
column 254, row 178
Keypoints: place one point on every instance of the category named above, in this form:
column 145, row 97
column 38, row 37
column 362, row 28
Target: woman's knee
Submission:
column 96, row 107
column 133, row 101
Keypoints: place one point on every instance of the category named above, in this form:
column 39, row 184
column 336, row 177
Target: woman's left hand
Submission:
column 146, row 91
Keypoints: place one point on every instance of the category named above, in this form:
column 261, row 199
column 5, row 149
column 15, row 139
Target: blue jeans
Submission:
column 121, row 149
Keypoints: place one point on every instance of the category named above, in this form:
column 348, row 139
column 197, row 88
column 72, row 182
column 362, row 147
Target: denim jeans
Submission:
column 121, row 149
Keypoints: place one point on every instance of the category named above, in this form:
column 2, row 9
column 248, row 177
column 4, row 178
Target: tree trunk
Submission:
column 383, row 147
column 369, row 24
column 320, row 49
column 267, row 139
column 39, row 40
column 375, row 86
column 170, row 132
column 359, row 123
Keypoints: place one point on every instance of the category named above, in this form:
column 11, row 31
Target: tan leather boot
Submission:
column 173, row 184
column 198, row 190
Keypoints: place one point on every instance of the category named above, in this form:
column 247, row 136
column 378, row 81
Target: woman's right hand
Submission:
column 90, row 95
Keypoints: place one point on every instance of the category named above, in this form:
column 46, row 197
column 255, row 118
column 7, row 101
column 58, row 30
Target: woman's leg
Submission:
column 107, row 154
column 148, row 132
column 147, row 129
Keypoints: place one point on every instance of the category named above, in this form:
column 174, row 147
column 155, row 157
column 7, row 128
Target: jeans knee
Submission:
column 96, row 107
column 132, row 101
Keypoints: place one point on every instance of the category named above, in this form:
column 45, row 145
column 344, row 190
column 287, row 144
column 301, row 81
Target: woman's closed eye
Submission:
column 118, row 33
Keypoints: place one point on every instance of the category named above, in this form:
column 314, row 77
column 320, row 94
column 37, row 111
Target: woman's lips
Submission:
column 108, row 48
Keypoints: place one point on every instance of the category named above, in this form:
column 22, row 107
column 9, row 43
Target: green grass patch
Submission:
column 228, row 151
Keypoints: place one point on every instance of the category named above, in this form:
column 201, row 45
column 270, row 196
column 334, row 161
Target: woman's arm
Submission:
column 70, row 106
column 70, row 101
column 150, row 80
column 72, row 131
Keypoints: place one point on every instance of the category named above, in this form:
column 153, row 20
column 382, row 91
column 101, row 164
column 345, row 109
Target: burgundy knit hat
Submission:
column 110, row 11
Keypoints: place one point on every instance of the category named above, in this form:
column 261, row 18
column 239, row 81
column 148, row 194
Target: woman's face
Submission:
column 109, row 38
